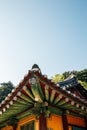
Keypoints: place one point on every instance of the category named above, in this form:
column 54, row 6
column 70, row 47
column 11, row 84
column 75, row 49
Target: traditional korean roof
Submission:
column 36, row 94
column 72, row 85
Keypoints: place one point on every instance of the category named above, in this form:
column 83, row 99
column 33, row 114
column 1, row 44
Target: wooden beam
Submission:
column 47, row 93
column 52, row 95
column 26, row 98
column 29, row 93
column 57, row 100
column 55, row 110
column 37, row 93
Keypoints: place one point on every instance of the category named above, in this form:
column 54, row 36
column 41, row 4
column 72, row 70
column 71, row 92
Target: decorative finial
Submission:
column 35, row 67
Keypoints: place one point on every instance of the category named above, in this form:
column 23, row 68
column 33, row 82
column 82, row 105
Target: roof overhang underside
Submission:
column 36, row 94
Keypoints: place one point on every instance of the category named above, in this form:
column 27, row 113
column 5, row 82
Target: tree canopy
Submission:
column 58, row 77
column 5, row 89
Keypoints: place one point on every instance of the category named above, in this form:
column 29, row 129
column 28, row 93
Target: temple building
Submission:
column 37, row 103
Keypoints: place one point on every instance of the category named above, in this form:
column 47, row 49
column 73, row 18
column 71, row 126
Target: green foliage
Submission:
column 58, row 77
column 84, row 84
column 5, row 89
column 68, row 73
column 81, row 75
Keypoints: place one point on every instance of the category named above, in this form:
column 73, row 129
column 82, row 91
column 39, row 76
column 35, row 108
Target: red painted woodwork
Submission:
column 65, row 123
column 42, row 122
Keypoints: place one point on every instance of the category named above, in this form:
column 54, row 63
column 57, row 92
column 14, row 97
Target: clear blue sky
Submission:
column 51, row 33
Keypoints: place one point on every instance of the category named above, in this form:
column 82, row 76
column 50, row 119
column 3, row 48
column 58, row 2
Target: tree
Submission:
column 68, row 73
column 82, row 75
column 58, row 78
column 5, row 89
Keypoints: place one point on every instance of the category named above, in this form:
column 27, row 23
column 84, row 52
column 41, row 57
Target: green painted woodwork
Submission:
column 66, row 106
column 61, row 102
column 35, row 102
column 22, row 102
column 26, row 98
column 54, row 110
column 37, row 92
column 56, row 100
column 40, row 91
column 52, row 96
column 27, row 113
column 29, row 93
column 47, row 93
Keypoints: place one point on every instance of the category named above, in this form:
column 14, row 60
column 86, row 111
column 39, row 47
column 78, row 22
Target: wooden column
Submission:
column 85, row 118
column 42, row 122
column 14, row 127
column 64, row 121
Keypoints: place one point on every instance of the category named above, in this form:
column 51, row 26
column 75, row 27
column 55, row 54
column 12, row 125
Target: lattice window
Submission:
column 28, row 126
column 77, row 128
